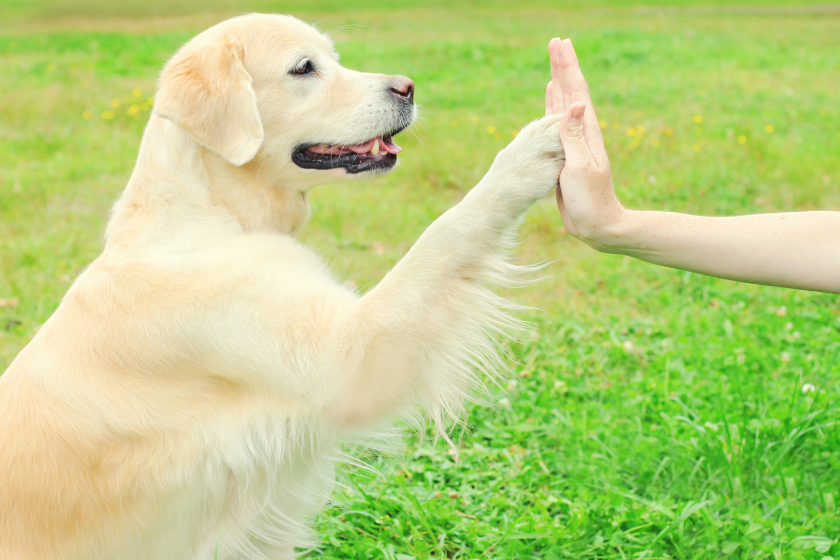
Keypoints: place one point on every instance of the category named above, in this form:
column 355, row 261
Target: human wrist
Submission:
column 609, row 233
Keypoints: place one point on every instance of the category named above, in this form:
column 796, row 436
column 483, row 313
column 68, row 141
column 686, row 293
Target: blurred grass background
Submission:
column 653, row 413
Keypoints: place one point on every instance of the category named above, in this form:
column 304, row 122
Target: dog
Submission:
column 191, row 394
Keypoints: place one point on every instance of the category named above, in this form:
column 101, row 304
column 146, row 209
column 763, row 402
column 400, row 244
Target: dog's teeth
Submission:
column 375, row 149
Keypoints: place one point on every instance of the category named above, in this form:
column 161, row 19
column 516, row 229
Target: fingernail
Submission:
column 577, row 112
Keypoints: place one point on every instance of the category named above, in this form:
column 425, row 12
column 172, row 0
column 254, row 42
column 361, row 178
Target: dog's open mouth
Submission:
column 377, row 154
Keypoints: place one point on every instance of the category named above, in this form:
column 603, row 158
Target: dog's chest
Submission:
column 277, row 480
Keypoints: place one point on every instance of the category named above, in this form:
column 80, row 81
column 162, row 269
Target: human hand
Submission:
column 585, row 197
column 794, row 250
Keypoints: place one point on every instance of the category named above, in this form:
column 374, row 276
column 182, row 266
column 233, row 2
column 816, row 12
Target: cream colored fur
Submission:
column 191, row 393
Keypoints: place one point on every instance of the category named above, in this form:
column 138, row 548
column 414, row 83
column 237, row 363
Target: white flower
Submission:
column 628, row 346
column 808, row 388
column 785, row 357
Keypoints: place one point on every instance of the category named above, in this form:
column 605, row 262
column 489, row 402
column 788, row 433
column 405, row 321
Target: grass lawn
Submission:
column 651, row 413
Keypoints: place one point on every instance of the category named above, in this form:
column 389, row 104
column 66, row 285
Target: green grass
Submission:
column 655, row 413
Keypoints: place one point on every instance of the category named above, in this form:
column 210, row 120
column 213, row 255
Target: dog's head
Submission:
column 268, row 91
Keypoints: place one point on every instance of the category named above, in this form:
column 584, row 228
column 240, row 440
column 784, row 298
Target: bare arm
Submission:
column 793, row 250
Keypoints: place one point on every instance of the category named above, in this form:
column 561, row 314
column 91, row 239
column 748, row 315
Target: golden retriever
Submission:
column 190, row 395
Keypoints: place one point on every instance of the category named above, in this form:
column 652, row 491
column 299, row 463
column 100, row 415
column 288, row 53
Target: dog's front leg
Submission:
column 429, row 326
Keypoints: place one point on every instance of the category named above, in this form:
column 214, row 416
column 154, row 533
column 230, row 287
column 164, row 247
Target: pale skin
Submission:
column 793, row 250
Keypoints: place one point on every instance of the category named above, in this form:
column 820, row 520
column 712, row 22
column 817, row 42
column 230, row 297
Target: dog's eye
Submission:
column 303, row 68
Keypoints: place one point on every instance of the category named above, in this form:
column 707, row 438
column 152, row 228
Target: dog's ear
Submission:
column 206, row 90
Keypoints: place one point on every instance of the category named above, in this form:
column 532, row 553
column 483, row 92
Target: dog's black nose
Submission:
column 403, row 87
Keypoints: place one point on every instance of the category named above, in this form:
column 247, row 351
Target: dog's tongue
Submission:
column 362, row 148
column 389, row 145
column 375, row 145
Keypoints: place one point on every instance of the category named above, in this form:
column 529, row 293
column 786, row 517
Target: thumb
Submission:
column 571, row 135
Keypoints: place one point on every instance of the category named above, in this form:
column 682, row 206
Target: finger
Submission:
column 549, row 102
column 573, row 81
column 556, row 76
column 578, row 90
column 577, row 151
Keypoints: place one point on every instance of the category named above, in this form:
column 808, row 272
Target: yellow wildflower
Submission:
column 474, row 118
column 87, row 115
column 696, row 147
column 768, row 128
column 698, row 118
column 491, row 129
column 602, row 124
column 136, row 93
column 742, row 139
column 115, row 103
column 631, row 131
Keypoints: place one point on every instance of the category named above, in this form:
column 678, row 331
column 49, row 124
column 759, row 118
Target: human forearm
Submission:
column 795, row 250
